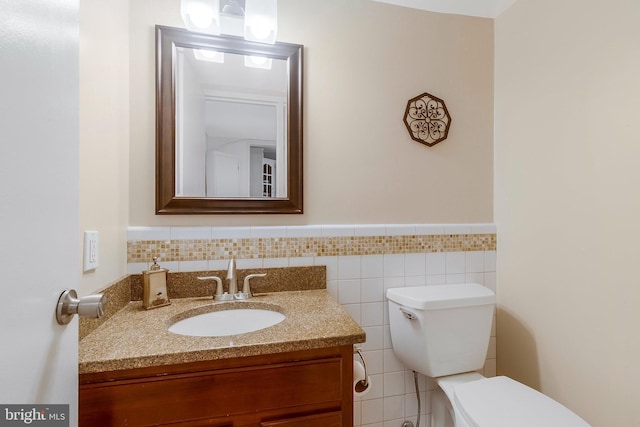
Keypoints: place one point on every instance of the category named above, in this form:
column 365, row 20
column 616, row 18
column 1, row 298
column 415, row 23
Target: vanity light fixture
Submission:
column 261, row 62
column 202, row 16
column 256, row 20
column 209, row 55
column 261, row 20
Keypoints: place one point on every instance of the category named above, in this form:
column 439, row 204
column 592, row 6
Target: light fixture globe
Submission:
column 201, row 15
column 261, row 20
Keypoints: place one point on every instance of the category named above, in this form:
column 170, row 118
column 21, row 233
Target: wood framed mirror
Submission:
column 228, row 134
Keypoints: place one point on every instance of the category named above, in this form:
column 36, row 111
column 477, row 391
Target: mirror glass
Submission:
column 229, row 117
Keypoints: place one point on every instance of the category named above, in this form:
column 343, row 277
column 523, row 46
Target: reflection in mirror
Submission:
column 229, row 125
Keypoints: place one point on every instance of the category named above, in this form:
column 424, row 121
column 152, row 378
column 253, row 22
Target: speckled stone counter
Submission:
column 138, row 338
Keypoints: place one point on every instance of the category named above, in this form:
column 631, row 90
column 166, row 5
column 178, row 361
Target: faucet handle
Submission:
column 246, row 289
column 218, row 294
column 231, row 269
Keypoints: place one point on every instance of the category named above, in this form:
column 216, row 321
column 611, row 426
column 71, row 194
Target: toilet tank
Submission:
column 442, row 329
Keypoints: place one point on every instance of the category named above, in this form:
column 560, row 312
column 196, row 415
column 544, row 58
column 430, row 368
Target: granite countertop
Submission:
column 139, row 338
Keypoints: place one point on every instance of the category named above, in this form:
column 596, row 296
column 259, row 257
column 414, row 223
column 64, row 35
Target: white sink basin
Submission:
column 227, row 322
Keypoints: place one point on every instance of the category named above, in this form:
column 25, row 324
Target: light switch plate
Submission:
column 90, row 250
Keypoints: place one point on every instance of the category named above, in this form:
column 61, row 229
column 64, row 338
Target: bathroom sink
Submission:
column 231, row 321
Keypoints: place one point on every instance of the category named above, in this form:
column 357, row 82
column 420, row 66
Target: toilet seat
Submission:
column 503, row 402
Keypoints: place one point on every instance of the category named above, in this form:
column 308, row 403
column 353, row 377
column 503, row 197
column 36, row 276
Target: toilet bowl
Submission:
column 443, row 332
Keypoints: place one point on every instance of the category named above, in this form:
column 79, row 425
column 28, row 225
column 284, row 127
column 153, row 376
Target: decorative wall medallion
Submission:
column 427, row 119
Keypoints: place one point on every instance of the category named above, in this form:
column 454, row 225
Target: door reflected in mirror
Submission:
column 228, row 124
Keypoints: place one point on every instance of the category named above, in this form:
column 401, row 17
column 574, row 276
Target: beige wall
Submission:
column 567, row 206
column 104, row 135
column 363, row 61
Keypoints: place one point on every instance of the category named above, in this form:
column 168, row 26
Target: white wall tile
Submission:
column 400, row 229
column 415, row 280
column 372, row 290
column 349, row 291
column 374, row 360
column 301, row 261
column 455, row 262
column 393, row 265
column 170, row 265
column 410, row 386
column 372, row 411
column 457, row 229
column 415, row 264
column 349, row 267
column 430, row 229
column 474, row 262
column 490, row 280
column 436, row 263
column 332, row 288
column 369, row 230
column 376, row 387
column 372, row 314
column 392, row 282
column 490, row 368
column 193, row 265
column 219, row 264
column 436, row 279
column 454, row 279
column 393, row 383
column 372, row 266
column 386, row 333
column 375, row 338
column 137, row 267
column 393, row 407
column 251, row 263
column 275, row 262
column 490, row 261
column 391, row 362
column 331, row 262
column 491, row 352
column 357, row 410
column 483, row 228
column 474, row 278
column 411, row 407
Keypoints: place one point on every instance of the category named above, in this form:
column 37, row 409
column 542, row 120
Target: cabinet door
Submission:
column 331, row 419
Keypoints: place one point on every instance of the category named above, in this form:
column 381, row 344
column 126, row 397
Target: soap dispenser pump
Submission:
column 155, row 287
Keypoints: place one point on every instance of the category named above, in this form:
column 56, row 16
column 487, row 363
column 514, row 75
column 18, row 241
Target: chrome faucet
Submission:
column 232, row 277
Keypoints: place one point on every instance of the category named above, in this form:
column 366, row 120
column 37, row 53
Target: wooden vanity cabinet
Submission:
column 310, row 388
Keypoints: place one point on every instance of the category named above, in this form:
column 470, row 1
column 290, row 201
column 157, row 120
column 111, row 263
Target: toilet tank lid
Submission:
column 503, row 402
column 434, row 297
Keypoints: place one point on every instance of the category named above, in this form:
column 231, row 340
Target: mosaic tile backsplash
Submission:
column 214, row 243
column 362, row 262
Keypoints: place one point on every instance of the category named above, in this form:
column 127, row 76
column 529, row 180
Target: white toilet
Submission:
column 443, row 332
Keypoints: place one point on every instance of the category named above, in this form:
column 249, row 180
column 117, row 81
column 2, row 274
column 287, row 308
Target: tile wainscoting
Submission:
column 362, row 261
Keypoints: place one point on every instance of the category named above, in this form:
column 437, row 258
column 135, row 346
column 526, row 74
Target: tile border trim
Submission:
column 218, row 243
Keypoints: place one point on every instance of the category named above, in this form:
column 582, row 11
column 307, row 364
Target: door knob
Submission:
column 91, row 306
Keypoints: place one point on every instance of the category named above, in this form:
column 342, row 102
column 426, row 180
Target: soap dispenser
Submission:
column 155, row 287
